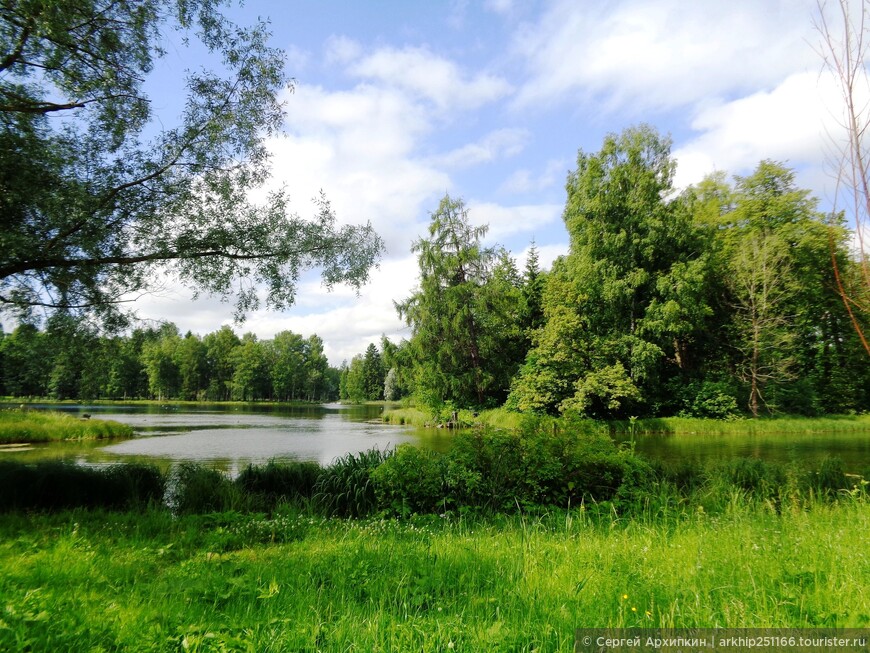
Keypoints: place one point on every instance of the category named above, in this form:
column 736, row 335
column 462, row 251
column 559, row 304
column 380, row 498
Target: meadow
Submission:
column 148, row 581
column 508, row 542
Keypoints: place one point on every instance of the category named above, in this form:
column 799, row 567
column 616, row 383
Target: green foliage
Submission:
column 52, row 486
column 412, row 480
column 710, row 400
column 622, row 309
column 345, row 488
column 276, row 482
column 466, row 341
column 118, row 206
column 192, row 488
column 38, row 426
column 493, row 470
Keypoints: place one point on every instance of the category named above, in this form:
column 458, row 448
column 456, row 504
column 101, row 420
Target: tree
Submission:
column 373, row 373
column 787, row 321
column 27, row 365
column 160, row 360
column 316, row 366
column 355, row 385
column 251, row 373
column 97, row 197
column 629, row 299
column 844, row 51
column 220, row 363
column 456, row 347
column 288, row 367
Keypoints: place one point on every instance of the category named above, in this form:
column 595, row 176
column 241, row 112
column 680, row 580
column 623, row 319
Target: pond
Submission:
column 231, row 437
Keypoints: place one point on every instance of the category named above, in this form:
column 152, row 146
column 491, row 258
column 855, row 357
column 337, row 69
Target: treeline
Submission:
column 717, row 301
column 68, row 360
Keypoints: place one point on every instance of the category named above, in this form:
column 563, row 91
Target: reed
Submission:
column 17, row 426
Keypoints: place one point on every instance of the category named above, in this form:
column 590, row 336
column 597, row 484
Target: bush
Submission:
column 193, row 489
column 499, row 470
column 412, row 480
column 345, row 488
column 57, row 485
column 274, row 482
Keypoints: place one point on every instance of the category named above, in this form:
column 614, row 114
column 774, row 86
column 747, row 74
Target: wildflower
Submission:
column 624, row 596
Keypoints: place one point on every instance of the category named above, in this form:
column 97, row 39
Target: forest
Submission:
column 717, row 301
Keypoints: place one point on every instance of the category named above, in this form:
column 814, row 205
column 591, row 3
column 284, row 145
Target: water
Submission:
column 231, row 438
column 806, row 449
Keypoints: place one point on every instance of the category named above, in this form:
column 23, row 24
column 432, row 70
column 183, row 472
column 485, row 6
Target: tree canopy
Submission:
column 97, row 196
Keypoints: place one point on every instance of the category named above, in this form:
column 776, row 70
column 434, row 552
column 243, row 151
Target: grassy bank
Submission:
column 146, row 581
column 505, row 419
column 770, row 425
column 18, row 426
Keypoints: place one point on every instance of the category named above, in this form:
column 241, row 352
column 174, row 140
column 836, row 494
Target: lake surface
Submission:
column 230, row 438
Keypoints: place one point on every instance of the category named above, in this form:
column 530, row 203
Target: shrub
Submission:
column 192, row 489
column 411, row 480
column 274, row 482
column 345, row 488
column 58, row 485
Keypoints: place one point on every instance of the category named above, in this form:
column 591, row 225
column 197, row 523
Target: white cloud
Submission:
column 360, row 147
column 525, row 181
column 496, row 145
column 341, row 50
column 434, row 78
column 506, row 221
column 788, row 123
column 503, row 7
column 642, row 54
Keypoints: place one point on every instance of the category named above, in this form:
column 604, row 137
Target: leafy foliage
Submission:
column 112, row 209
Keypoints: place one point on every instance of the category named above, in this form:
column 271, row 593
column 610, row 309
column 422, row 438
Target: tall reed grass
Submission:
column 44, row 426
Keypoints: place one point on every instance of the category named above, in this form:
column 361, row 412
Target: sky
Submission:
column 398, row 103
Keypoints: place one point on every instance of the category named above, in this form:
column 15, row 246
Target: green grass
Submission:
column 17, row 426
column 147, row 581
column 408, row 416
column 761, row 426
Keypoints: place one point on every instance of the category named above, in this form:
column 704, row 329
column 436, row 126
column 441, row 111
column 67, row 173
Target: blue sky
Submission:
column 398, row 103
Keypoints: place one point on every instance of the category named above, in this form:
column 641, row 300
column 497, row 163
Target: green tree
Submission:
column 788, row 323
column 219, row 346
column 120, row 195
column 315, row 367
column 629, row 298
column 251, row 370
column 160, row 361
column 355, row 385
column 373, row 373
column 288, row 369
column 27, row 362
column 191, row 358
column 456, row 348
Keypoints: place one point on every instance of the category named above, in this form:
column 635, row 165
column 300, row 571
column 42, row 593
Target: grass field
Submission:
column 43, row 426
column 81, row 581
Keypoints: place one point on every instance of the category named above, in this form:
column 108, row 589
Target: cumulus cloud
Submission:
column 498, row 144
column 789, row 123
column 426, row 75
column 661, row 54
column 507, row 221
